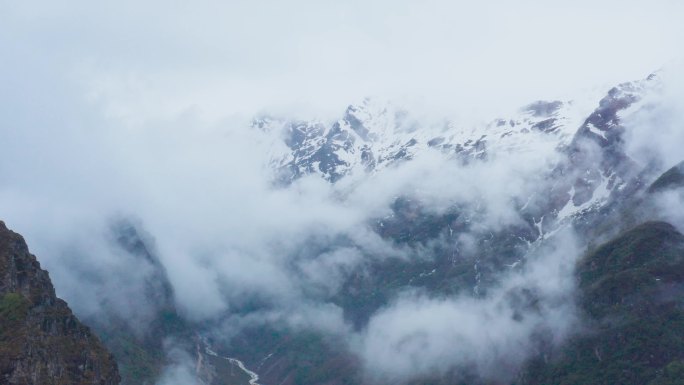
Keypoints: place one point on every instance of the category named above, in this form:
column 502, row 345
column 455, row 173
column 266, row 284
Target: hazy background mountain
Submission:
column 343, row 192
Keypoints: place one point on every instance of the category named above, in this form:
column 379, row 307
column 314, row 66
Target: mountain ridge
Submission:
column 42, row 342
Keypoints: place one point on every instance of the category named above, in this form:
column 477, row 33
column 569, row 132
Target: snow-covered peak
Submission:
column 373, row 135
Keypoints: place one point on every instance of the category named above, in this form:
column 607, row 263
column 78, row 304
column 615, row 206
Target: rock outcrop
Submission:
column 41, row 341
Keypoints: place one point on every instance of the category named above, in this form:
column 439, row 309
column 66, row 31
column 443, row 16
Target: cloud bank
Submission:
column 418, row 336
column 142, row 110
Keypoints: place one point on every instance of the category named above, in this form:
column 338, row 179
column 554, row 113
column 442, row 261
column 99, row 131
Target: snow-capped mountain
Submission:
column 373, row 136
column 588, row 187
column 448, row 255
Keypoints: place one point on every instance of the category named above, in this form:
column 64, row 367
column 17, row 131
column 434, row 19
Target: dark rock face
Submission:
column 41, row 341
column 597, row 152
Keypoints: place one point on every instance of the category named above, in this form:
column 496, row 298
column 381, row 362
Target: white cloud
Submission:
column 157, row 59
column 141, row 108
column 418, row 336
column 655, row 130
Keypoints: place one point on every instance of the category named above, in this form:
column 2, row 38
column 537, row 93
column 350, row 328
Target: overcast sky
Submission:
column 151, row 59
column 139, row 108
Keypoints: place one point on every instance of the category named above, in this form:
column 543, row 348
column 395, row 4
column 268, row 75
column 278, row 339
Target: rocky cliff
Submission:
column 41, row 341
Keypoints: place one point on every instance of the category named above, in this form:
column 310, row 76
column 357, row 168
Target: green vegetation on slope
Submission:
column 296, row 357
column 631, row 289
column 41, row 341
column 13, row 307
column 13, row 312
column 139, row 349
column 141, row 356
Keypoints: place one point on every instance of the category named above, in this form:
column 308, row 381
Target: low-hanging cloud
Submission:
column 655, row 130
column 222, row 230
column 654, row 138
column 117, row 112
column 228, row 238
column 422, row 337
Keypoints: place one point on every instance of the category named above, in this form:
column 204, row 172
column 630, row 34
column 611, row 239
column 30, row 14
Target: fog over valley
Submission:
column 347, row 192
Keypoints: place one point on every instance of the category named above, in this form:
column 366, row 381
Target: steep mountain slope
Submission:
column 629, row 292
column 631, row 289
column 144, row 349
column 589, row 189
column 41, row 341
column 672, row 178
column 139, row 347
column 373, row 136
column 453, row 251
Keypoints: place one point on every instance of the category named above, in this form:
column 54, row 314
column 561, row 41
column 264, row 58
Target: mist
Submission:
column 143, row 112
column 532, row 308
column 654, row 138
